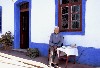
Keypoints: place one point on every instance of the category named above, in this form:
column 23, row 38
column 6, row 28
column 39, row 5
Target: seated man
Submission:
column 56, row 40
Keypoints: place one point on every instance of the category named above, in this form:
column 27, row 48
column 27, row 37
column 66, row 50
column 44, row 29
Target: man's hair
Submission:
column 56, row 27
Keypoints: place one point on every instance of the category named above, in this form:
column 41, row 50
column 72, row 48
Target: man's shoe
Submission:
column 52, row 65
column 55, row 65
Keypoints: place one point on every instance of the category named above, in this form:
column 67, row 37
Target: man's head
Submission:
column 56, row 29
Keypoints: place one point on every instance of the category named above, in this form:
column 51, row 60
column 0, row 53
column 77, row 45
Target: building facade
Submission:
column 40, row 17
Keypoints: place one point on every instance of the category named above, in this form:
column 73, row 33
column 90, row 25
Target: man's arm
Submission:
column 51, row 40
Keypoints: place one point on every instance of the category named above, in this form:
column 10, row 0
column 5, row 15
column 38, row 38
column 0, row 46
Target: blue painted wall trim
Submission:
column 87, row 55
column 17, row 22
column 1, row 19
column 83, row 19
column 43, row 48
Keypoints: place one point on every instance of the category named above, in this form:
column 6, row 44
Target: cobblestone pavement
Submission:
column 15, row 59
column 11, row 61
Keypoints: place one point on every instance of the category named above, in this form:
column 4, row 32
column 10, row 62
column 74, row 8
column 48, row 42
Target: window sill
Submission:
column 73, row 33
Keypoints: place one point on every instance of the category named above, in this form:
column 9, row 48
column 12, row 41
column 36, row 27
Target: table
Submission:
column 69, row 51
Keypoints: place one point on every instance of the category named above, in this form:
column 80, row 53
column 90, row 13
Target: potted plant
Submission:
column 6, row 40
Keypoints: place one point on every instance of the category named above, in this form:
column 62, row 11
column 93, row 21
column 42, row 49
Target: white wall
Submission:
column 43, row 22
column 91, row 37
column 7, row 16
column 43, row 18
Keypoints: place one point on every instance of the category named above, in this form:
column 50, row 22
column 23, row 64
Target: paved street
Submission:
column 9, row 61
column 14, row 59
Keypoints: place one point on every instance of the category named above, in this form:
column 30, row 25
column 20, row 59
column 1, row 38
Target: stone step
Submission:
column 20, row 50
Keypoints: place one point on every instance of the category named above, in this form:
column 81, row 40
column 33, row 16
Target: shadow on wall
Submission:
column 87, row 55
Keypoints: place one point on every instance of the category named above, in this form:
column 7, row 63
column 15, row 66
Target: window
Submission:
column 70, row 15
column 0, row 18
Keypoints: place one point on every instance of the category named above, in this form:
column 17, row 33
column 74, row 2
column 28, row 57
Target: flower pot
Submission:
column 6, row 47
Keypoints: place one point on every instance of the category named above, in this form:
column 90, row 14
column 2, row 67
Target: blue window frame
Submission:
column 0, row 19
column 82, row 32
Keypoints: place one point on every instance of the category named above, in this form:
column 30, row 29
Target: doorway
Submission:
column 24, row 26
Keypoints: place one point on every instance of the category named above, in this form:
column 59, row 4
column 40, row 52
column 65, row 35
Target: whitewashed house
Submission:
column 32, row 22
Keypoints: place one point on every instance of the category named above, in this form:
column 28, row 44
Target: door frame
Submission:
column 17, row 23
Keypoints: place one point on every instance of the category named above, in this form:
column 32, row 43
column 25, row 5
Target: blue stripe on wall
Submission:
column 17, row 22
column 1, row 19
column 83, row 19
column 43, row 48
column 16, row 26
column 87, row 55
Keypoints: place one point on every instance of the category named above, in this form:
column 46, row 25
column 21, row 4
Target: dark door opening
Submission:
column 24, row 28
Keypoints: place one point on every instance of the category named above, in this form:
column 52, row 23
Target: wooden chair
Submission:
column 49, row 51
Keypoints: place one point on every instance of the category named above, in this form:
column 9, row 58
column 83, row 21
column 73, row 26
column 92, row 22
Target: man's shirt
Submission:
column 56, row 39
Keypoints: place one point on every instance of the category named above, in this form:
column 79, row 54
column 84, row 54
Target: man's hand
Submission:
column 58, row 46
column 55, row 47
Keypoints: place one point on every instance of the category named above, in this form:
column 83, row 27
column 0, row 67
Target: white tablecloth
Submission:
column 67, row 50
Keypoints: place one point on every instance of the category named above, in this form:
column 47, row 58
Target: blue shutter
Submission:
column 0, row 19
